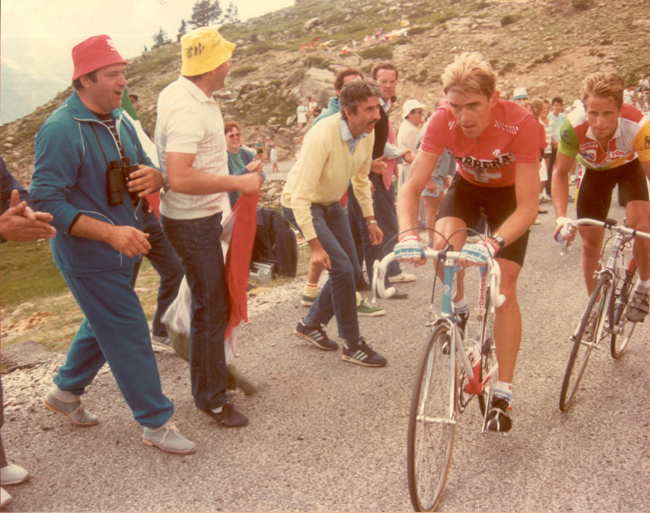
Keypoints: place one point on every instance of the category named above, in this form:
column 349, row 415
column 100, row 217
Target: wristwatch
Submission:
column 499, row 240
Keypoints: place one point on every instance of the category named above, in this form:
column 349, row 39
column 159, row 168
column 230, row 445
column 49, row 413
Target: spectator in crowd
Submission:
column 301, row 112
column 628, row 94
column 356, row 220
column 99, row 239
column 644, row 85
column 192, row 149
column 274, row 159
column 162, row 258
column 240, row 160
column 535, row 107
column 18, row 222
column 335, row 151
column 385, row 74
column 312, row 106
column 412, row 114
column 520, row 95
column 259, row 145
column 548, row 130
column 557, row 117
column 269, row 145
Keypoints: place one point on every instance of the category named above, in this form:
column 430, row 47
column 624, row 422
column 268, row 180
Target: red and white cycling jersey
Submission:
column 631, row 139
column 490, row 159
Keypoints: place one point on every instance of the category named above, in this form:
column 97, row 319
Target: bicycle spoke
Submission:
column 588, row 336
column 432, row 426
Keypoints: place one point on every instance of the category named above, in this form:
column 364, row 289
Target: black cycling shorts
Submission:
column 595, row 193
column 465, row 200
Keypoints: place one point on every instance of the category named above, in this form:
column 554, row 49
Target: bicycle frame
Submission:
column 623, row 235
column 471, row 367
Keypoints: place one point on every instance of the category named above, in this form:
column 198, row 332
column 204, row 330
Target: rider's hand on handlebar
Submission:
column 476, row 254
column 564, row 232
column 409, row 249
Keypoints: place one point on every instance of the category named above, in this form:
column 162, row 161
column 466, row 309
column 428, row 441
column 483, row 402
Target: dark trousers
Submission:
column 383, row 202
column 167, row 265
column 338, row 296
column 360, row 233
column 197, row 243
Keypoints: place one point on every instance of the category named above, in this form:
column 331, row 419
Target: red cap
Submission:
column 94, row 53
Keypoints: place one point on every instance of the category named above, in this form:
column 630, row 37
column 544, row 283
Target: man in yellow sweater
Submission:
column 335, row 151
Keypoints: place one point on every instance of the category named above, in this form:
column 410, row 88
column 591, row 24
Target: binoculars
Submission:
column 117, row 176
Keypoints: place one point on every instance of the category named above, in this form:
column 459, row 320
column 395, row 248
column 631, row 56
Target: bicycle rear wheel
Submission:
column 432, row 422
column 622, row 329
column 593, row 318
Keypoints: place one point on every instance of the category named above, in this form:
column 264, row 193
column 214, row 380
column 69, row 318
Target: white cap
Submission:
column 577, row 104
column 409, row 106
column 520, row 94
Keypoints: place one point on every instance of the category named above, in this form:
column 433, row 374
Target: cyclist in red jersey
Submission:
column 496, row 145
column 612, row 141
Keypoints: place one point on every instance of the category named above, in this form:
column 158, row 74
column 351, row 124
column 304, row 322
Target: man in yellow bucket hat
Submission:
column 191, row 148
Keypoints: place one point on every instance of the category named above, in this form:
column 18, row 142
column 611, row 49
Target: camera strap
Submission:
column 92, row 125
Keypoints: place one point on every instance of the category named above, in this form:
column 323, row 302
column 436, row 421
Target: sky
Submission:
column 38, row 35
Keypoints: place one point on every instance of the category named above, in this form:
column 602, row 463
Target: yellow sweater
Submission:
column 323, row 171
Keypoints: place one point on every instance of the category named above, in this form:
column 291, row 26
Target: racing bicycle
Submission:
column 455, row 367
column 604, row 317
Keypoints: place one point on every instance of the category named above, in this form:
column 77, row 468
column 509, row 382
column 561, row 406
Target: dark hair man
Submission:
column 99, row 239
column 335, row 151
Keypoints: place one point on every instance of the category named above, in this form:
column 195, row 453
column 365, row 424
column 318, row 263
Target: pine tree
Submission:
column 160, row 38
column 181, row 31
column 232, row 15
column 205, row 13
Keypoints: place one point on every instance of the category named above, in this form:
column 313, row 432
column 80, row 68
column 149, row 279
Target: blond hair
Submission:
column 469, row 73
column 603, row 85
column 536, row 105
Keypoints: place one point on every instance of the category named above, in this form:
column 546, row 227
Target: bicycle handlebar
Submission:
column 379, row 274
column 608, row 223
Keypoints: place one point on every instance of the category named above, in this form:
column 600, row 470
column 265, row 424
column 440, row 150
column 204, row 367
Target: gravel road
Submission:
column 325, row 435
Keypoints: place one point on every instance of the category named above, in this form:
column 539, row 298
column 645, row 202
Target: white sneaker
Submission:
column 5, row 498
column 13, row 474
column 402, row 277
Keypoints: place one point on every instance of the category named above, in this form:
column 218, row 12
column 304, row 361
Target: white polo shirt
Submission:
column 190, row 122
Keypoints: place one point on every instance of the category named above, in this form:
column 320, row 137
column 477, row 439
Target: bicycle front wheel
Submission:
column 621, row 328
column 488, row 352
column 432, row 422
column 585, row 339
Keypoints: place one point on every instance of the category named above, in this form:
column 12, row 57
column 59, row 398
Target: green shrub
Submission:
column 581, row 5
column 418, row 30
column 508, row 19
column 402, row 41
column 377, row 52
column 242, row 71
column 314, row 61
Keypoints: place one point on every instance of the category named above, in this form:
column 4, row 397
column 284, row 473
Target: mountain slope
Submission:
column 548, row 46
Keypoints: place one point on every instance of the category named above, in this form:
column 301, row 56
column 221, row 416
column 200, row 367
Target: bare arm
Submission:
column 408, row 202
column 560, row 183
column 526, row 192
column 127, row 239
column 185, row 179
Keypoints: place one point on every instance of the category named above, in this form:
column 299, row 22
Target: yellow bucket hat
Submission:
column 204, row 50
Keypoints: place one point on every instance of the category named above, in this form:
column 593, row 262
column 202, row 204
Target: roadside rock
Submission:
column 318, row 84
column 25, row 354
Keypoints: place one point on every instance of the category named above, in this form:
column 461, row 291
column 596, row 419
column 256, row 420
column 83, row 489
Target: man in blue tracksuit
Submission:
column 99, row 239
